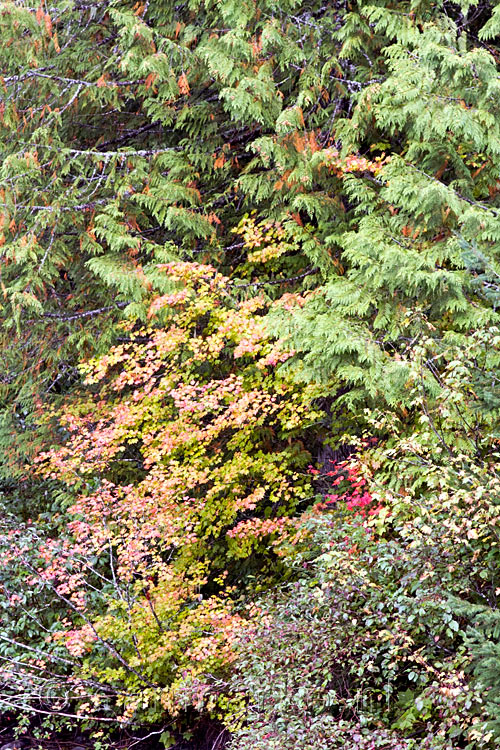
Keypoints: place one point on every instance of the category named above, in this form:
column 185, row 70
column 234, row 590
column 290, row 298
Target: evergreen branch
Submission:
column 130, row 134
column 87, row 313
column 109, row 154
column 470, row 201
column 61, row 79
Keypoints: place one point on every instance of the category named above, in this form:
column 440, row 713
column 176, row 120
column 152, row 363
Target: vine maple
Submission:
column 185, row 463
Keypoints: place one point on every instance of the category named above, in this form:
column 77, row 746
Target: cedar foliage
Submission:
column 326, row 175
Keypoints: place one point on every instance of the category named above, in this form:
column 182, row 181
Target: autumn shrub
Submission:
column 182, row 465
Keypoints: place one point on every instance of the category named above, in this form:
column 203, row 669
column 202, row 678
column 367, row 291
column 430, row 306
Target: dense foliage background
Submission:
column 249, row 398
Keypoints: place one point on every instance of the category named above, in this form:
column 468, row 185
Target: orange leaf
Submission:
column 313, row 143
column 183, row 84
column 478, row 170
column 257, row 46
column 150, row 80
column 48, row 24
column 441, row 170
column 299, row 141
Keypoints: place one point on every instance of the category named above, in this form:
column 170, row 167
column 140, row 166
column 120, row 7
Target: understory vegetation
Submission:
column 249, row 387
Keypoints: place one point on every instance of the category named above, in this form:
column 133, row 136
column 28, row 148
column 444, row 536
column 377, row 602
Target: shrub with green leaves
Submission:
column 365, row 649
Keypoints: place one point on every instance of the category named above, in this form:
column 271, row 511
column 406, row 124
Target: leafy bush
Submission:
column 364, row 649
column 181, row 466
